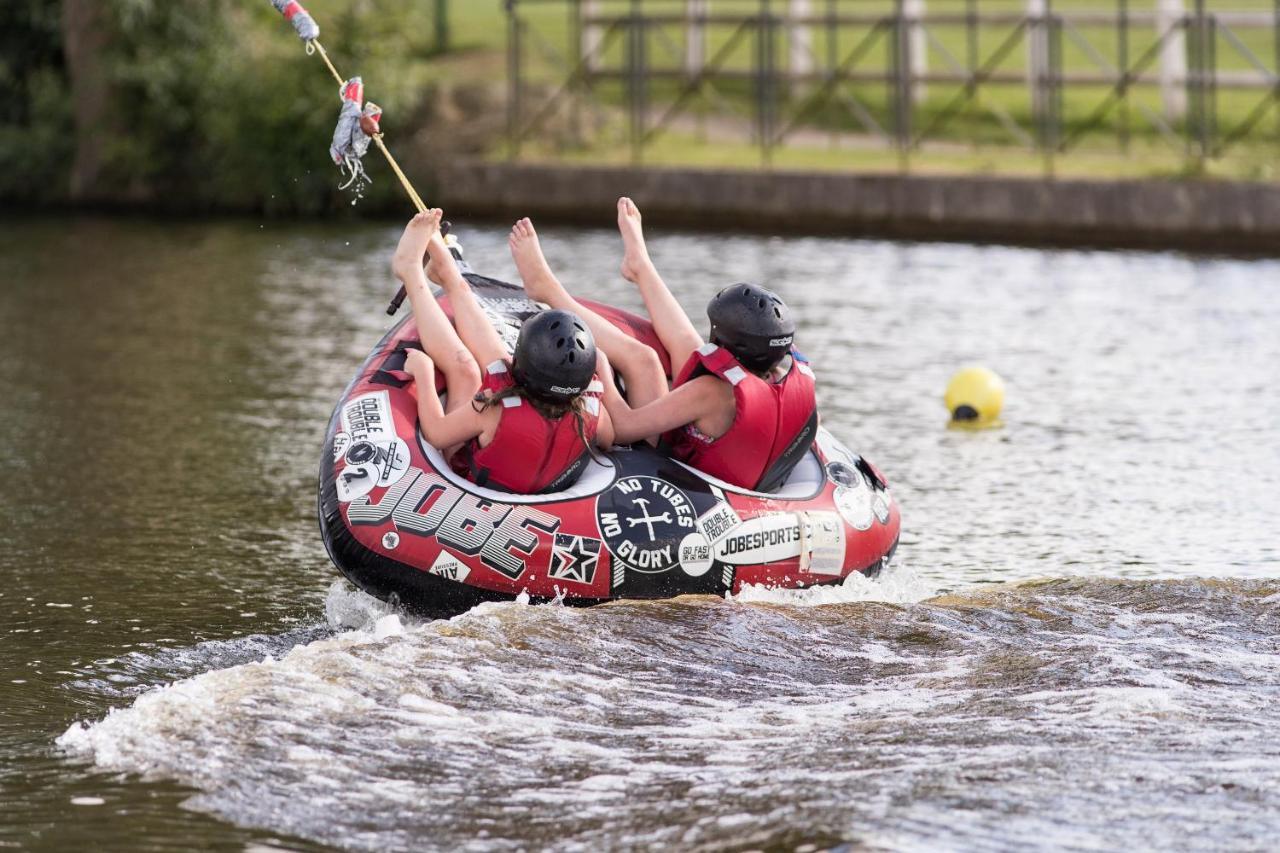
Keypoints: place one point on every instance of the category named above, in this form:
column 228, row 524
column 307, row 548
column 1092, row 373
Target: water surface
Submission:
column 1077, row 648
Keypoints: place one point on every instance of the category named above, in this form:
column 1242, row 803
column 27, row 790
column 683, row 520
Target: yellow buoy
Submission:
column 975, row 396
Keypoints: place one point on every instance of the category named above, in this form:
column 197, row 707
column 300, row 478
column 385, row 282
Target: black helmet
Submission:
column 555, row 355
column 753, row 324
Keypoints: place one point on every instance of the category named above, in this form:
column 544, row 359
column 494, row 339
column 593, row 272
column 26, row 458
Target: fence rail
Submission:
column 1046, row 77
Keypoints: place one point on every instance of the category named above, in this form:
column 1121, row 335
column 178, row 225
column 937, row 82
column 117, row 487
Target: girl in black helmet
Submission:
column 524, row 425
column 741, row 406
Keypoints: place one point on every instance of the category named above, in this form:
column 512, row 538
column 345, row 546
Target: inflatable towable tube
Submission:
column 401, row 525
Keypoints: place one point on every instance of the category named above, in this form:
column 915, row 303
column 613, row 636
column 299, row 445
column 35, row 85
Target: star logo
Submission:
column 574, row 558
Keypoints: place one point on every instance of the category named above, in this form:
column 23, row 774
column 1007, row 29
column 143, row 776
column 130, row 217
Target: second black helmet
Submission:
column 753, row 324
column 555, row 355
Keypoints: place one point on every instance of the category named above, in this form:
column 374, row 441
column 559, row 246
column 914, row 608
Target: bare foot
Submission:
column 538, row 280
column 635, row 255
column 440, row 261
column 407, row 260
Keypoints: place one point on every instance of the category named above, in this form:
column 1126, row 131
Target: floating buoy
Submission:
column 975, row 396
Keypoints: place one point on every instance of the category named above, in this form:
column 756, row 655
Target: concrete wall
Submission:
column 1199, row 215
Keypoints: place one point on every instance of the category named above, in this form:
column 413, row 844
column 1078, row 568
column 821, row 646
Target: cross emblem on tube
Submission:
column 647, row 519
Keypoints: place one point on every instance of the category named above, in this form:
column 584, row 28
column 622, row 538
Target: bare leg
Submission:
column 439, row 339
column 674, row 329
column 473, row 324
column 638, row 365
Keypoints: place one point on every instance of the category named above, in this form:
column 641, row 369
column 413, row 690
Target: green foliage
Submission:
column 225, row 107
column 213, row 104
column 35, row 114
column 30, row 45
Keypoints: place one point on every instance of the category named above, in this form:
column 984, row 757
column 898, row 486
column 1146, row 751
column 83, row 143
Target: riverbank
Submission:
column 1203, row 216
column 1210, row 216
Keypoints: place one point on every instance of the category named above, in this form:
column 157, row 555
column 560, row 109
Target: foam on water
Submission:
column 897, row 584
column 1016, row 710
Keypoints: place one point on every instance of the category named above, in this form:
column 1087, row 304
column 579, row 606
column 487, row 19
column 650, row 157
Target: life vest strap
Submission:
column 783, row 465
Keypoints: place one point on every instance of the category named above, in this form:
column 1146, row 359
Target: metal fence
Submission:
column 1039, row 75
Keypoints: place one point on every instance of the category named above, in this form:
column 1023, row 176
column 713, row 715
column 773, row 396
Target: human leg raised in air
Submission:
column 473, row 325
column 439, row 339
column 673, row 326
column 637, row 363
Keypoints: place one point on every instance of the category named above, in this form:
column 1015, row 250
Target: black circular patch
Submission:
column 843, row 475
column 643, row 520
column 363, row 451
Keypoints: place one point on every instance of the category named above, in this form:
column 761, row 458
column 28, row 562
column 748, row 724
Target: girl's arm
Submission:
column 700, row 398
column 690, row 402
column 441, row 431
column 605, row 434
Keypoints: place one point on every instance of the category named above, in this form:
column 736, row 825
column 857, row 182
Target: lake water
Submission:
column 1076, row 648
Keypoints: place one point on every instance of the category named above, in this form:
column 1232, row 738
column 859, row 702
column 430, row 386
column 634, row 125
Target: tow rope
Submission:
column 357, row 121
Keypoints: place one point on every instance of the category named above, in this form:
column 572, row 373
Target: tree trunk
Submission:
column 84, row 44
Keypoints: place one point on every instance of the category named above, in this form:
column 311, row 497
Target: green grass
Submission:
column 1145, row 160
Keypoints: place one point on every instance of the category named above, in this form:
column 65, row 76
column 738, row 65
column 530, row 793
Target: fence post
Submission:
column 589, row 36
column 833, row 61
column 1170, row 18
column 833, row 36
column 766, row 80
column 971, row 35
column 919, row 53
column 1037, row 56
column 799, row 41
column 1122, row 60
column 574, row 84
column 442, row 25
column 695, row 37
column 1209, row 36
column 1197, row 86
column 636, row 81
column 900, row 84
column 513, row 81
column 1051, row 89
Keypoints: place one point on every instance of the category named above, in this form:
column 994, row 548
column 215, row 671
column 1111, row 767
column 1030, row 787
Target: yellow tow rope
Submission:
column 314, row 46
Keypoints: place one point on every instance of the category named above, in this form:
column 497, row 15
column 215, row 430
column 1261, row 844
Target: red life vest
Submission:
column 529, row 454
column 773, row 427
